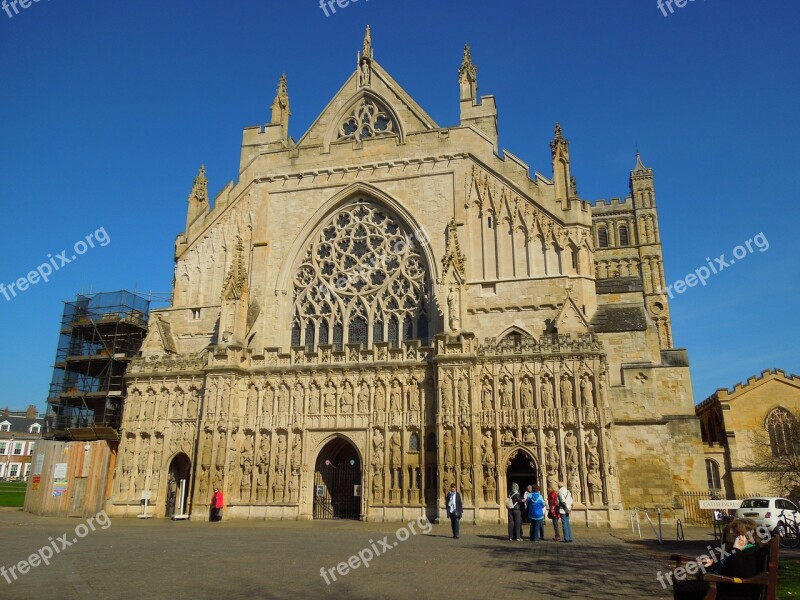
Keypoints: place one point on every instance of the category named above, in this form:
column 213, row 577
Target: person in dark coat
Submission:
column 515, row 505
column 745, row 559
column 455, row 509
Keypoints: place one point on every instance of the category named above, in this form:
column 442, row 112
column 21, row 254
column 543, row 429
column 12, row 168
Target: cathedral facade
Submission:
column 387, row 306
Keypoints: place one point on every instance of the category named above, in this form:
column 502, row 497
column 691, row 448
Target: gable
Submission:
column 385, row 92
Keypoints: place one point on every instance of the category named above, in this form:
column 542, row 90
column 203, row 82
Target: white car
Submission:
column 770, row 511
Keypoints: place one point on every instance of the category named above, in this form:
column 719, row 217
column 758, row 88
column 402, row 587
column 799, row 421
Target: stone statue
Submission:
column 587, row 391
column 346, row 400
column 463, row 394
column 363, row 398
column 395, row 456
column 546, row 390
column 508, row 438
column 447, row 395
column 315, row 399
column 530, row 436
column 219, row 460
column 298, row 398
column 526, row 394
column 551, row 450
column 297, row 455
column 449, row 451
column 506, row 393
column 413, row 396
column 466, row 447
column 453, row 309
column 329, row 399
column 252, row 401
column 571, row 450
column 281, row 466
column 192, row 403
column 283, row 399
column 488, row 404
column 380, row 397
column 377, row 451
column 567, row 397
column 592, row 455
column 395, row 398
column 487, row 446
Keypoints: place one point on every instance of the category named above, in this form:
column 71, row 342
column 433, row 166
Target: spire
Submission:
column 200, row 188
column 236, row 281
column 280, row 106
column 468, row 76
column 565, row 187
column 640, row 168
column 367, row 50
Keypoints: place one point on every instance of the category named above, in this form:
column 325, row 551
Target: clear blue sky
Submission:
column 110, row 107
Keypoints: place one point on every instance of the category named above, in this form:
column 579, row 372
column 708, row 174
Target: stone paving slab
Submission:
column 156, row 559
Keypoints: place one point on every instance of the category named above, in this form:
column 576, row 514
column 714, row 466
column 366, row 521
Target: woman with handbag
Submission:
column 514, row 504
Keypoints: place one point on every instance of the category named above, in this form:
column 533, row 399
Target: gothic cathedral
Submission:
column 387, row 306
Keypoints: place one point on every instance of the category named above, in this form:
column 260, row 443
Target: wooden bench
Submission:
column 768, row 579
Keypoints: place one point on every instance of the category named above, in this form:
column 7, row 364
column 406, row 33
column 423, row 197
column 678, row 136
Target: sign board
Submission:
column 720, row 504
column 320, row 491
column 356, row 490
column 38, row 463
column 60, row 479
column 60, row 471
column 37, row 480
column 147, row 495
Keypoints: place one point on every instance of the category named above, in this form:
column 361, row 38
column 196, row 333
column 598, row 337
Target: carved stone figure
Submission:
column 449, row 451
column 252, row 401
column 587, row 391
column 298, row 398
column 329, row 399
column 551, row 450
column 192, row 403
column 346, row 400
column 571, row 450
column 395, row 456
column 567, row 396
column 377, row 451
column 466, row 447
column 526, row 394
column 380, row 397
column 314, row 405
column 283, row 399
column 447, row 395
column 297, row 455
column 546, row 392
column 281, row 453
column 453, row 309
column 506, row 393
column 529, row 437
column 463, row 394
column 592, row 455
column 395, row 397
column 486, row 393
column 508, row 438
column 413, row 396
column 487, row 448
column 363, row 398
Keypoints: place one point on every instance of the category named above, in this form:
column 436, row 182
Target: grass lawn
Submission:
column 789, row 578
column 12, row 493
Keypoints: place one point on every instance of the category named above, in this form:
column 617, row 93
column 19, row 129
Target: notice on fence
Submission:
column 720, row 504
column 38, row 463
column 59, row 479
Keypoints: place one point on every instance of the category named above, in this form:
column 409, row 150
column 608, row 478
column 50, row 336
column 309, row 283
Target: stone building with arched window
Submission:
column 763, row 410
column 386, row 306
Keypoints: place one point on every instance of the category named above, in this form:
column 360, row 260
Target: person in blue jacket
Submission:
column 536, row 506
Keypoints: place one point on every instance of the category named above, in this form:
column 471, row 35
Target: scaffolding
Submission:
column 100, row 333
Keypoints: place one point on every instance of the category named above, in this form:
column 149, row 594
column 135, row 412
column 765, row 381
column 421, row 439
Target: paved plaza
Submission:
column 162, row 559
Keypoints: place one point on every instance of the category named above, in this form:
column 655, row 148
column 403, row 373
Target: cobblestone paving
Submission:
column 157, row 559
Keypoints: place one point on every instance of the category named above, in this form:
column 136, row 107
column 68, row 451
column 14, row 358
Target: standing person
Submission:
column 217, row 504
column 565, row 508
column 536, row 507
column 528, row 493
column 552, row 510
column 514, row 504
column 455, row 509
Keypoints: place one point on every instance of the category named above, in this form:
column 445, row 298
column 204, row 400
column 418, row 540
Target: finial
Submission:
column 200, row 187
column 367, row 50
column 639, row 164
column 559, row 132
column 468, row 76
column 280, row 105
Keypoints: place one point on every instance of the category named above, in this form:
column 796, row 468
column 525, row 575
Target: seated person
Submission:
column 746, row 559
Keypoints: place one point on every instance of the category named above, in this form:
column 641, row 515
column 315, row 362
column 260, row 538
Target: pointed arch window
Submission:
column 624, row 239
column 712, row 475
column 295, row 335
column 362, row 271
column 783, row 432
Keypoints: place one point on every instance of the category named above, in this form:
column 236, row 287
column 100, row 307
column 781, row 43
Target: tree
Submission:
column 776, row 453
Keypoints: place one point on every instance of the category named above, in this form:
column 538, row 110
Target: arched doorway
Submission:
column 178, row 485
column 521, row 470
column 337, row 481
